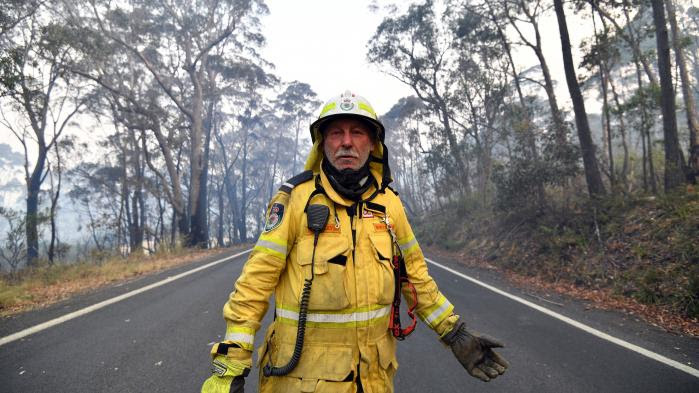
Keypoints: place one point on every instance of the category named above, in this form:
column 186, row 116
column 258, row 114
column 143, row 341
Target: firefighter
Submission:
column 336, row 252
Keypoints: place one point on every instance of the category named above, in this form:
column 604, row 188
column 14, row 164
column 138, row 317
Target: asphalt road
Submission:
column 158, row 341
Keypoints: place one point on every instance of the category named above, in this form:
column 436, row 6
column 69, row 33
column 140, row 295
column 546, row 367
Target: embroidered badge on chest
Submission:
column 367, row 214
column 276, row 213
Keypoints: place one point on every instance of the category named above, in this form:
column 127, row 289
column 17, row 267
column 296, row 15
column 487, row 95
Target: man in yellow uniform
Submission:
column 336, row 250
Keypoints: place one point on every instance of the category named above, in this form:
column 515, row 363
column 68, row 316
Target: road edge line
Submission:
column 633, row 347
column 86, row 310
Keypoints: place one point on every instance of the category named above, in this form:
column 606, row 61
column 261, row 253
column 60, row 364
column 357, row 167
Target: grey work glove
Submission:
column 476, row 353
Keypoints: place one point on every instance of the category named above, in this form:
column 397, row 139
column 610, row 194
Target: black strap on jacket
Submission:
column 296, row 180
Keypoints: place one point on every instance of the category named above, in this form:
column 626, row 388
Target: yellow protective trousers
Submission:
column 347, row 334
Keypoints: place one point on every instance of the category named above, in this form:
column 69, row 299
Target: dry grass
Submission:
column 46, row 285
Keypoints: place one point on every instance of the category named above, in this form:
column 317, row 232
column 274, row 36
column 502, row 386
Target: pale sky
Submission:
column 323, row 43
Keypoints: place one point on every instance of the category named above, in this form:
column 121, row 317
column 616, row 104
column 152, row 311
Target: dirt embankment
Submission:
column 640, row 256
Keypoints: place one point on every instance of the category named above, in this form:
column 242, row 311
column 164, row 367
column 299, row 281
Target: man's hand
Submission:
column 476, row 353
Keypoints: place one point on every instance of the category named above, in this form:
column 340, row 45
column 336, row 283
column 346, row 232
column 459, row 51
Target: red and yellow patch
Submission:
column 329, row 228
column 381, row 226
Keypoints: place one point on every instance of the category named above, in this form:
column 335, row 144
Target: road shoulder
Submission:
column 22, row 320
column 631, row 328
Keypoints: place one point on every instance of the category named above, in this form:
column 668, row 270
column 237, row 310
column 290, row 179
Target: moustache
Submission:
column 346, row 153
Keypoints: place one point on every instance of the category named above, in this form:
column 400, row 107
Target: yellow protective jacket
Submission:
column 347, row 324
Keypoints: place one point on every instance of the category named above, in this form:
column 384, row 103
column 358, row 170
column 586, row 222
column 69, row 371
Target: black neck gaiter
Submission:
column 349, row 183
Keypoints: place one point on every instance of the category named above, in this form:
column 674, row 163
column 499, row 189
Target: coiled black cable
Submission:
column 269, row 370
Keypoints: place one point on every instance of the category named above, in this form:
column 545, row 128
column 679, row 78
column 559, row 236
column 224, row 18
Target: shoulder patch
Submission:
column 274, row 218
column 296, row 180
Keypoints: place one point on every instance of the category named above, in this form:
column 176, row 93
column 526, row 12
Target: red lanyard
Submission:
column 400, row 277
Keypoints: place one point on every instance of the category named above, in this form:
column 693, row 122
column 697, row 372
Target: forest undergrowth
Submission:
column 631, row 253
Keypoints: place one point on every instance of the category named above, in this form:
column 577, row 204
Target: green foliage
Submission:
column 13, row 248
column 649, row 287
column 9, row 77
column 689, row 297
column 518, row 181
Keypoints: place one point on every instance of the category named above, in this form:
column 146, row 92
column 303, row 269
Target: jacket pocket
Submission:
column 383, row 380
column 386, row 347
column 321, row 362
column 329, row 289
column 383, row 252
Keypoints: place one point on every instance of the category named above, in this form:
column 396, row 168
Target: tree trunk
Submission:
column 242, row 205
column 196, row 160
column 594, row 180
column 221, row 214
column 199, row 226
column 32, row 214
column 607, row 124
column 674, row 165
column 629, row 38
column 689, row 102
column 56, row 192
column 296, row 145
column 622, row 131
column 558, row 122
column 528, row 135
column 645, row 160
column 463, row 174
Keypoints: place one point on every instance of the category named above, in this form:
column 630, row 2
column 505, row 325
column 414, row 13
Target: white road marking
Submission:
column 105, row 303
column 574, row 323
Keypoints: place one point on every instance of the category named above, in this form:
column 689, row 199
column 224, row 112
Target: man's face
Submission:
column 347, row 143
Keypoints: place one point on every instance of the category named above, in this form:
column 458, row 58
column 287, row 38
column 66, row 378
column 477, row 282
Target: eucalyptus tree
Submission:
column 56, row 169
column 482, row 85
column 41, row 97
column 15, row 12
column 499, row 23
column 132, row 99
column 96, row 192
column 297, row 103
column 674, row 162
column 406, row 133
column 690, row 105
column 175, row 40
column 633, row 36
column 595, row 186
column 415, row 49
column 13, row 246
column 604, row 54
column 522, row 13
column 637, row 30
column 238, row 128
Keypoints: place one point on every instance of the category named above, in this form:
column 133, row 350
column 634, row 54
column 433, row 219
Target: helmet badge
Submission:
column 346, row 104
